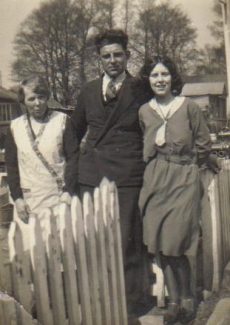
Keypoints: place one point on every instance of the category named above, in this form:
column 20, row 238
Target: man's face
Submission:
column 114, row 59
column 36, row 103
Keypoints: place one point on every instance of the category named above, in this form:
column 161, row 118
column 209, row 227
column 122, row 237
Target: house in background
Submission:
column 9, row 109
column 211, row 97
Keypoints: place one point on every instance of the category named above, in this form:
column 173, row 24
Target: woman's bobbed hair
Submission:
column 150, row 63
column 37, row 84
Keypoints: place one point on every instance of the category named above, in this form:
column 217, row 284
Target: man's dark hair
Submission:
column 176, row 85
column 111, row 36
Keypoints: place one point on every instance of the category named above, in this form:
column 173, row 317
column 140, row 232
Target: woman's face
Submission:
column 36, row 103
column 160, row 80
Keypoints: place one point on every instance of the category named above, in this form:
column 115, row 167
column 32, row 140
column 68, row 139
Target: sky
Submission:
column 13, row 12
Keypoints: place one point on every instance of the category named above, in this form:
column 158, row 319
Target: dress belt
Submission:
column 177, row 159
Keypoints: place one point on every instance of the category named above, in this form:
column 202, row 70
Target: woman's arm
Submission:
column 202, row 138
column 200, row 131
column 13, row 177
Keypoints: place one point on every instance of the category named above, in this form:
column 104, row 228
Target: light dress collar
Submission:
column 165, row 112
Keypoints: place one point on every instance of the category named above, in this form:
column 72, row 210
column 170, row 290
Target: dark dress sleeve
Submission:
column 200, row 131
column 71, row 153
column 13, row 177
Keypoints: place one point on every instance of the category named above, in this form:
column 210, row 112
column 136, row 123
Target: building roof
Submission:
column 7, row 94
column 204, row 88
column 205, row 78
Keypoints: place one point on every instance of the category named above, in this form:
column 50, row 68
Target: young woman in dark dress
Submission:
column 176, row 142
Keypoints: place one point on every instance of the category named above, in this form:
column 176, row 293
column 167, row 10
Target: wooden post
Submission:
column 225, row 4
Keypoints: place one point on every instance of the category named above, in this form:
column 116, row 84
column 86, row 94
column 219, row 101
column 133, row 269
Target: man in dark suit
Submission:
column 107, row 109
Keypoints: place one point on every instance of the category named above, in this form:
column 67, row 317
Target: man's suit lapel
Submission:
column 98, row 97
column 126, row 97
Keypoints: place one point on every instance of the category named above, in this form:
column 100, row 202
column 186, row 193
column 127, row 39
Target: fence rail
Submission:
column 72, row 273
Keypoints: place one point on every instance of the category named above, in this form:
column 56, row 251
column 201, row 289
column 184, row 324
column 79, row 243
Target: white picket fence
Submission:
column 72, row 271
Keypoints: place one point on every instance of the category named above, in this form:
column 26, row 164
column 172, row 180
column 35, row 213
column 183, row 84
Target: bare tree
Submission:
column 211, row 59
column 104, row 14
column 164, row 29
column 52, row 41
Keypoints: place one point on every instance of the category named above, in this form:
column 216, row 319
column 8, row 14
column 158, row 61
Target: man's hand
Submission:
column 22, row 210
column 65, row 198
column 214, row 164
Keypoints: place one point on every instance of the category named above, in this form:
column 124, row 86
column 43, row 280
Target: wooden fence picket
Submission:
column 2, row 318
column 20, row 268
column 216, row 231
column 102, row 261
column 12, row 313
column 54, row 266
column 118, row 253
column 8, row 310
column 111, row 262
column 38, row 258
column 224, row 207
column 91, row 253
column 224, row 194
column 69, row 266
column 80, row 251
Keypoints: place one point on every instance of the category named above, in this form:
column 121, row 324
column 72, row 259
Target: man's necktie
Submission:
column 111, row 91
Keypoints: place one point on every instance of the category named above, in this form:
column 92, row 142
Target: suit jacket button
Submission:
column 117, row 149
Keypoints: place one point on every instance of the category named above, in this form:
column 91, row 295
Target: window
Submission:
column 5, row 112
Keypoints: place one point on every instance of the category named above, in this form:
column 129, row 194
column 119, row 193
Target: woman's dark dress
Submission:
column 170, row 196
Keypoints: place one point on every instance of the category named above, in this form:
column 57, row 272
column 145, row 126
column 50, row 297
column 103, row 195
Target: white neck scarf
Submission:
column 165, row 112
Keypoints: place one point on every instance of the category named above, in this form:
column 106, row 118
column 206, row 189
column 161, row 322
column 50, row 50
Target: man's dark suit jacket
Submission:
column 113, row 146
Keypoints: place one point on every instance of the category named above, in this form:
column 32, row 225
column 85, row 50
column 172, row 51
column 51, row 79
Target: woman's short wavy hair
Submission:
column 37, row 84
column 176, row 85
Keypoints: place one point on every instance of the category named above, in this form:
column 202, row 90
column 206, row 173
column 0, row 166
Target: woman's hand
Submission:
column 65, row 198
column 22, row 210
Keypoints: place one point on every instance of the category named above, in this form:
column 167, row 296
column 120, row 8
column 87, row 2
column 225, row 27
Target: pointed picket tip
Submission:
column 76, row 205
column 104, row 182
column 97, row 206
column 112, row 185
column 63, row 209
column 87, row 199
